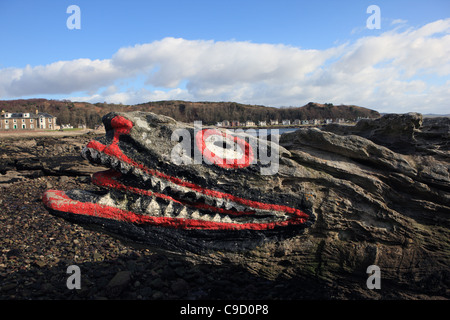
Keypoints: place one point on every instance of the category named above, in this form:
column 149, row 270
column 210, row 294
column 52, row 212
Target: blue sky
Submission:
column 273, row 53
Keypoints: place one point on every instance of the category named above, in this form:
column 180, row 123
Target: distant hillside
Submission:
column 209, row 112
column 431, row 115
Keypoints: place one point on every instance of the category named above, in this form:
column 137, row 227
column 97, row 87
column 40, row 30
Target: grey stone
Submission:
column 120, row 280
column 374, row 193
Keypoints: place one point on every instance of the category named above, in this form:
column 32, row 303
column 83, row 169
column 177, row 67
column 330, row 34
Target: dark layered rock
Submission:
column 373, row 194
column 407, row 134
column 24, row 158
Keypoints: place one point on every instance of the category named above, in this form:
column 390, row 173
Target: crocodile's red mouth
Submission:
column 145, row 196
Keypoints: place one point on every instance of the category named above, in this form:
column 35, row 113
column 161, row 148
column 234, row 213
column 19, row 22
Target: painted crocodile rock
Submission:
column 183, row 187
column 319, row 204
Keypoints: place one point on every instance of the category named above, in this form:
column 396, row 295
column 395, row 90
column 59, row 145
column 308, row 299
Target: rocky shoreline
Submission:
column 36, row 248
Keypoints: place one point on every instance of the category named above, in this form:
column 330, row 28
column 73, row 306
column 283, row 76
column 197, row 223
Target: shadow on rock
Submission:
column 156, row 276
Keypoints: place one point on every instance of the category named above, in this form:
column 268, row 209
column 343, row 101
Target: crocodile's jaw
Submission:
column 144, row 207
column 148, row 198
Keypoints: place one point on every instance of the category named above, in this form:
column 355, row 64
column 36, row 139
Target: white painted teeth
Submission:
column 137, row 171
column 137, row 205
column 158, row 184
column 157, row 209
column 114, row 162
column 219, row 203
column 169, row 210
column 163, row 208
column 183, row 214
column 195, row 215
column 154, row 208
column 227, row 219
column 173, row 211
column 228, row 205
column 162, row 185
column 125, row 167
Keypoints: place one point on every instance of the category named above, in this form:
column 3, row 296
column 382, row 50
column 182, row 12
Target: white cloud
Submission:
column 58, row 78
column 388, row 72
column 135, row 97
column 218, row 63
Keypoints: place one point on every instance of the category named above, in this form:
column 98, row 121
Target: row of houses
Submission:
column 27, row 121
column 226, row 123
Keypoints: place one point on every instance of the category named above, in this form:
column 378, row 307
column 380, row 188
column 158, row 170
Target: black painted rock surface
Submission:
column 341, row 199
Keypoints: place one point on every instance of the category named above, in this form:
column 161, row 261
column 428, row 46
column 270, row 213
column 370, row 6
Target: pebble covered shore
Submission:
column 36, row 249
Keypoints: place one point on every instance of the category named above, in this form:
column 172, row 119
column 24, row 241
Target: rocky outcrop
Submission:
column 380, row 190
column 407, row 134
column 23, row 158
column 343, row 198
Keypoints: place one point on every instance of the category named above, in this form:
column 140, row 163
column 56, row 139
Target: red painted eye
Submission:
column 224, row 150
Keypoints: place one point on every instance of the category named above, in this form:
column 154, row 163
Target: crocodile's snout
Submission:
column 144, row 188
